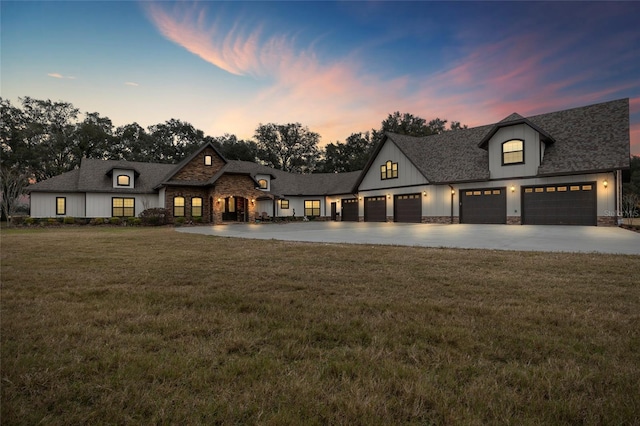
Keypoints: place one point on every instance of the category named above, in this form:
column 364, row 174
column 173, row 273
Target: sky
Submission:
column 336, row 67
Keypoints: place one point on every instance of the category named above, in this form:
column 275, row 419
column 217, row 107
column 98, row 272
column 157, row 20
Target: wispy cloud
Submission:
column 522, row 73
column 131, row 83
column 60, row 76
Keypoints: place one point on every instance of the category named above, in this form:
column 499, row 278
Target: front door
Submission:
column 333, row 211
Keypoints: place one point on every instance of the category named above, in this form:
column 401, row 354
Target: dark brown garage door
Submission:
column 375, row 209
column 483, row 205
column 407, row 208
column 567, row 204
column 350, row 209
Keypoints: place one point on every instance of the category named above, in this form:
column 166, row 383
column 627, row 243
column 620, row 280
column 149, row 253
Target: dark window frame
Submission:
column 511, row 163
column 193, row 207
column 284, row 204
column 124, row 208
column 389, row 170
column 183, row 206
column 309, row 211
column 64, row 206
column 123, row 184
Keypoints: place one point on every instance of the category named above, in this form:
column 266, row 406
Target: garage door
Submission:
column 350, row 209
column 567, row 204
column 487, row 205
column 375, row 209
column 407, row 208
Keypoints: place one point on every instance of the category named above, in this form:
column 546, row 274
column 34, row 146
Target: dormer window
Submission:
column 124, row 180
column 208, row 160
column 513, row 152
column 262, row 184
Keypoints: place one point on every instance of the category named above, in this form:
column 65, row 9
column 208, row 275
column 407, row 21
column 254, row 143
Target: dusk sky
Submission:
column 336, row 67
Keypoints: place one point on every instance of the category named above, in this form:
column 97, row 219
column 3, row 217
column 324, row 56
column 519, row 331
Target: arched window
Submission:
column 196, row 207
column 123, row 180
column 178, row 206
column 208, row 160
column 513, row 152
column 389, row 170
column 262, row 183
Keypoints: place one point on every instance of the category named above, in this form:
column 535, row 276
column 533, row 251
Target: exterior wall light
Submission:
column 219, row 199
column 253, row 201
column 360, row 198
column 453, row 191
column 513, row 188
column 424, row 193
column 388, row 196
column 605, row 183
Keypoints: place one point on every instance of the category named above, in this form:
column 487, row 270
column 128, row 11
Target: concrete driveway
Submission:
column 499, row 237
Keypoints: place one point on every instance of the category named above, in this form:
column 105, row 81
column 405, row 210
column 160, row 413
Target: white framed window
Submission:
column 513, row 152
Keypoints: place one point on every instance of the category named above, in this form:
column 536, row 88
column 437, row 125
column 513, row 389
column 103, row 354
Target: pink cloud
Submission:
column 340, row 97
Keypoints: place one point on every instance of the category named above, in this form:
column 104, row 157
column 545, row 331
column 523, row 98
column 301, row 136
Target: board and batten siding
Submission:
column 408, row 174
column 100, row 204
column 532, row 152
column 43, row 204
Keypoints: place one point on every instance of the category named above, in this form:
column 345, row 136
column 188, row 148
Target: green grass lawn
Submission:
column 150, row 326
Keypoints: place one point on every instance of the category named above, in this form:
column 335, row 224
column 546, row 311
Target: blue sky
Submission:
column 337, row 67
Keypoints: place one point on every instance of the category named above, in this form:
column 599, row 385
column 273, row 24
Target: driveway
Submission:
column 498, row 237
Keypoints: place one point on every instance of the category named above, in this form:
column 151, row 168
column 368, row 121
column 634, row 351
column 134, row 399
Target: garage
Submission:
column 487, row 205
column 560, row 204
column 407, row 208
column 349, row 209
column 375, row 209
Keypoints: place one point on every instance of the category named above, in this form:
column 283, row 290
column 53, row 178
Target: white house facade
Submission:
column 557, row 168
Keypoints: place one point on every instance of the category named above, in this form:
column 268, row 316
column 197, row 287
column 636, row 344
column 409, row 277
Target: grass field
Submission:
column 150, row 326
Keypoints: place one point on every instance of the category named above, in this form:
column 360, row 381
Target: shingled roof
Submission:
column 588, row 139
column 94, row 176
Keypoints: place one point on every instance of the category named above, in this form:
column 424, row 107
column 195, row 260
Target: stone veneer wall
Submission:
column 235, row 186
column 440, row 219
column 607, row 221
column 195, row 170
column 514, row 220
column 188, row 193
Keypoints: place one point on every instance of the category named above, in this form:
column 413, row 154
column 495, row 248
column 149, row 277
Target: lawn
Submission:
column 150, row 326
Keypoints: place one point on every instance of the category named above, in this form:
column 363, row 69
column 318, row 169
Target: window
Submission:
column 389, row 170
column 61, row 205
column 196, row 207
column 123, row 180
column 284, row 204
column 262, row 183
column 513, row 152
column 123, row 207
column 208, row 160
column 178, row 206
column 312, row 207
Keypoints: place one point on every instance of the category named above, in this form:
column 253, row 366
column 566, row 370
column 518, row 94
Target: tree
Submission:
column 234, row 149
column 349, row 156
column 13, row 182
column 174, row 140
column 132, row 143
column 93, row 138
column 289, row 147
column 408, row 124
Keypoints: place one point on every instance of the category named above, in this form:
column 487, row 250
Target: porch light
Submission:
column 513, row 188
column 219, row 199
column 605, row 183
column 253, row 201
column 453, row 191
column 359, row 198
column 389, row 196
column 424, row 193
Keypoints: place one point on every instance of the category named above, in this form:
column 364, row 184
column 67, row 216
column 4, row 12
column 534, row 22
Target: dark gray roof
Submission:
column 93, row 176
column 587, row 139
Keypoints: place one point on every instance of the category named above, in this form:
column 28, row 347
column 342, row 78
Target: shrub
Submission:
column 68, row 220
column 81, row 221
column 115, row 221
column 52, row 221
column 180, row 221
column 29, row 221
column 18, row 219
column 197, row 219
column 155, row 216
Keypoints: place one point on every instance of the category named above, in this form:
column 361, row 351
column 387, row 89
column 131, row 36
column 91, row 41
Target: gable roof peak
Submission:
column 513, row 117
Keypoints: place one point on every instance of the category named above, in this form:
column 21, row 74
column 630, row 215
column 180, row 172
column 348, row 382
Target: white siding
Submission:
column 532, row 152
column 44, row 204
column 407, row 172
column 100, row 205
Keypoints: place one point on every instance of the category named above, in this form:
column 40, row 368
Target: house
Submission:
column 557, row 168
